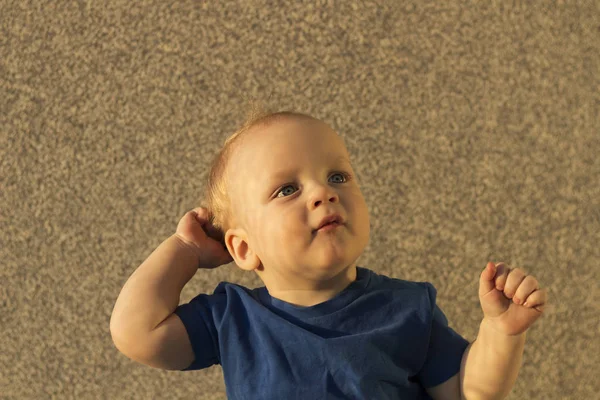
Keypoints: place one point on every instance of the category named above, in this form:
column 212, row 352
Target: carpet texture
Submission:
column 474, row 127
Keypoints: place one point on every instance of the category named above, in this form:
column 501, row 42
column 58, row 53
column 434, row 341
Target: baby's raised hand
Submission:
column 510, row 299
column 196, row 231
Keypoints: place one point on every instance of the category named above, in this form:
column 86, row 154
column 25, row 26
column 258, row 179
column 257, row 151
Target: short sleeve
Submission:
column 445, row 349
column 199, row 324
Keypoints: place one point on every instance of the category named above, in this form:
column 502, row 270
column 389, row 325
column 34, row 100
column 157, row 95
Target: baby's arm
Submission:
column 148, row 301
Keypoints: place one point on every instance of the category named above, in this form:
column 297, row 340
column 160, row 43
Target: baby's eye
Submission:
column 344, row 174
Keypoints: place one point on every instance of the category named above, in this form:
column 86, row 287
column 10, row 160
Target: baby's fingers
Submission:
column 537, row 299
column 501, row 275
column 205, row 219
column 201, row 214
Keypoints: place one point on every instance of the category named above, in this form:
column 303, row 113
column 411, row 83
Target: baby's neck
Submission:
column 312, row 297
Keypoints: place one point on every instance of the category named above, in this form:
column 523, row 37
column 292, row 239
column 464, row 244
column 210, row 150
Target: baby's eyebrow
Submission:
column 282, row 173
column 342, row 158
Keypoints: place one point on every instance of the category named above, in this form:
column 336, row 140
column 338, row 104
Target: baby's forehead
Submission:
column 282, row 139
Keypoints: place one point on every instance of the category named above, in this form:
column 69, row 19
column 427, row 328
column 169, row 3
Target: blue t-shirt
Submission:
column 380, row 338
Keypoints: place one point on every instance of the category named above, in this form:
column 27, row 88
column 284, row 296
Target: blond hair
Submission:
column 216, row 196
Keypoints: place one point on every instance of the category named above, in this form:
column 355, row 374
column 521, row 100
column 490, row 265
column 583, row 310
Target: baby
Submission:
column 321, row 327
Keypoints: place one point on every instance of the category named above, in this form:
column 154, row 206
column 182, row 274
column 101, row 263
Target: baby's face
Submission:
column 284, row 179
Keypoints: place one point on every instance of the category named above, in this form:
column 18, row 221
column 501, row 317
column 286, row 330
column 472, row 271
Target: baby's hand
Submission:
column 510, row 299
column 196, row 231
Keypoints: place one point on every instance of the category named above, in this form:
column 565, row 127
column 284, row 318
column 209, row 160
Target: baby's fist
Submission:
column 196, row 231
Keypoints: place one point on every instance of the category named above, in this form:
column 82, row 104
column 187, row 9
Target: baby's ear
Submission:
column 237, row 245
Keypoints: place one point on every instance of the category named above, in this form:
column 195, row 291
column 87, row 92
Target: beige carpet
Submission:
column 475, row 129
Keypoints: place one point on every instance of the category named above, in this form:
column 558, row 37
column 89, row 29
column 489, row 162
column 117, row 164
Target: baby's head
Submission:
column 270, row 187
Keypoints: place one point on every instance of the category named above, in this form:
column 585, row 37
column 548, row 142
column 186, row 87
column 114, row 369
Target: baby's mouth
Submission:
column 329, row 227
